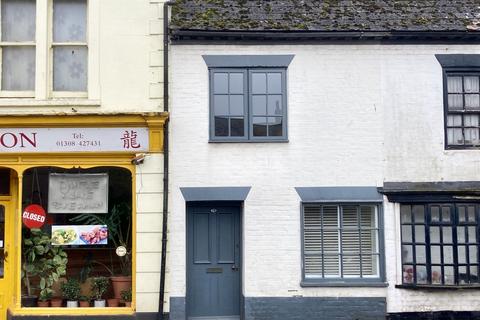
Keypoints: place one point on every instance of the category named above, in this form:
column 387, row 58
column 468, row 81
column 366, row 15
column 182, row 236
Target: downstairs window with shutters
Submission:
column 341, row 242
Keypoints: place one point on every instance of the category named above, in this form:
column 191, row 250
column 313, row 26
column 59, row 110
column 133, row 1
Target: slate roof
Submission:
column 327, row 15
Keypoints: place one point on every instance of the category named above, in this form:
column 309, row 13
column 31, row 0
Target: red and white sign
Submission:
column 34, row 216
column 74, row 139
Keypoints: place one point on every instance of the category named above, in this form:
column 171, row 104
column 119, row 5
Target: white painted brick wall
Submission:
column 358, row 115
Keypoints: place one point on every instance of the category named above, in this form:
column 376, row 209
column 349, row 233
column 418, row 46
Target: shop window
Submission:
column 82, row 244
column 4, row 182
column 341, row 242
column 440, row 245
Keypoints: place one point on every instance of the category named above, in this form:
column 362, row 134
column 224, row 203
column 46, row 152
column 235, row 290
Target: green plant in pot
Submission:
column 44, row 299
column 127, row 297
column 41, row 261
column 99, row 288
column 118, row 222
column 84, row 301
column 71, row 292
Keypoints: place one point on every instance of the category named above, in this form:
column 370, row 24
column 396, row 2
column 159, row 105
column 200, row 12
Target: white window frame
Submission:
column 44, row 59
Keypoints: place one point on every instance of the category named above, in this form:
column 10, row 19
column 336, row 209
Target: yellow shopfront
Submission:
column 68, row 212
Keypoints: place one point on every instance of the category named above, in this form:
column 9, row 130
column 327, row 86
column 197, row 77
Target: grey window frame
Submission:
column 347, row 282
column 248, row 109
column 457, row 65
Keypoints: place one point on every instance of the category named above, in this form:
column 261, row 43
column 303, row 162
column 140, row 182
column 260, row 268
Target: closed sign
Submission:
column 33, row 216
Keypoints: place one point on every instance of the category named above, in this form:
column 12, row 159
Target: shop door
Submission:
column 5, row 286
column 213, row 268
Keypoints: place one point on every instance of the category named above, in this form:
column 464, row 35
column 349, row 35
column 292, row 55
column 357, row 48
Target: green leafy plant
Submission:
column 99, row 287
column 45, row 296
column 126, row 295
column 119, row 225
column 43, row 261
column 71, row 289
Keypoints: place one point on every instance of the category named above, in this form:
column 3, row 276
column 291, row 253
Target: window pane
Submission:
column 70, row 68
column 454, row 120
column 446, row 213
column 236, row 105
column 449, row 275
column 275, row 127
column 418, row 212
column 454, row 84
column 474, row 274
column 462, row 275
column 435, row 234
column 274, row 83
column 221, row 127
column 405, row 214
column 407, row 233
column 473, row 254
column 435, row 254
column 259, row 105
column 420, row 254
column 237, row 127
column 259, row 126
column 236, row 83
column 369, row 241
column 419, row 233
column 18, row 68
column 447, row 234
column 471, row 136
column 472, row 234
column 370, row 265
column 407, row 274
column 259, row 83
column 407, row 254
column 435, row 213
column 461, row 214
column 69, row 20
column 436, row 275
column 18, row 20
column 455, row 102
column 462, row 254
column 422, row 274
column 351, row 241
column 455, row 136
column 220, row 83
column 471, row 84
column 472, row 101
column 220, row 105
column 461, row 235
column 351, row 265
column 331, row 265
column 448, row 254
column 275, row 105
column 471, row 214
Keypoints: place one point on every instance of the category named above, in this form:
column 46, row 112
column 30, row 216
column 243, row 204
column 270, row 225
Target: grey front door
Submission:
column 213, row 262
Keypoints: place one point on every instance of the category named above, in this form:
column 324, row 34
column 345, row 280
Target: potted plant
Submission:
column 118, row 223
column 44, row 299
column 99, row 287
column 113, row 302
column 84, row 301
column 41, row 261
column 127, row 297
column 71, row 292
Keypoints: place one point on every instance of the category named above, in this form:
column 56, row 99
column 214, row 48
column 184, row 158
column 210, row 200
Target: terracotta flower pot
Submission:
column 119, row 284
column 56, row 302
column 113, row 302
column 128, row 304
column 43, row 304
column 84, row 304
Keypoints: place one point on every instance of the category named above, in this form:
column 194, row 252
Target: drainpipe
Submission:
column 165, row 163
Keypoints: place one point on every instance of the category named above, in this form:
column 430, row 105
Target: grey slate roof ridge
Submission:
column 327, row 15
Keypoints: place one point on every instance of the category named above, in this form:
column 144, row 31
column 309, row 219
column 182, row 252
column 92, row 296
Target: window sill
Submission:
column 247, row 141
column 437, row 287
column 64, row 102
column 307, row 284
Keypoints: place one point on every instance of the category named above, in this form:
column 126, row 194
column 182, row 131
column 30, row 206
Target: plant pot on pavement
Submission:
column 119, row 284
column 56, row 302
column 99, row 303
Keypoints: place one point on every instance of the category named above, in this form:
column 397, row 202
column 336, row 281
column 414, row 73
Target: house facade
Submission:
column 81, row 158
column 324, row 160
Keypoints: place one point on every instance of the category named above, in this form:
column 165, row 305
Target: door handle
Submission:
column 234, row 268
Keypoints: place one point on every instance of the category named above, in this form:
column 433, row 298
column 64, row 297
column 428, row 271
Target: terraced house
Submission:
column 81, row 158
column 325, row 160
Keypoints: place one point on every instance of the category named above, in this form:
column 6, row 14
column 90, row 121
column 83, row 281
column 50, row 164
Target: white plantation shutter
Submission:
column 349, row 232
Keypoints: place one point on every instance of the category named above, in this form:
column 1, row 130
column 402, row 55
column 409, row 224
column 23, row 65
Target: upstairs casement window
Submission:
column 48, row 64
column 341, row 242
column 69, row 46
column 248, row 104
column 463, row 109
column 18, row 47
column 440, row 244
